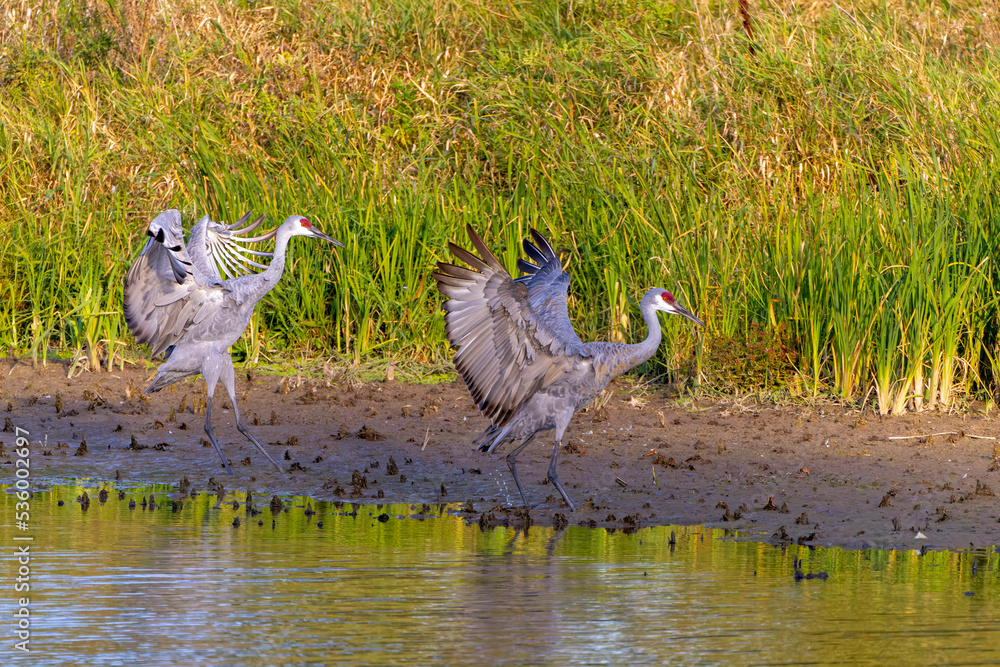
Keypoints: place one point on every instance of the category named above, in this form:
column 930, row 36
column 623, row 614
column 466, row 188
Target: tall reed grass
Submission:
column 824, row 200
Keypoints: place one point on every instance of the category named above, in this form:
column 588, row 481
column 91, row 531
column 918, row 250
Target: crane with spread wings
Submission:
column 527, row 369
column 192, row 301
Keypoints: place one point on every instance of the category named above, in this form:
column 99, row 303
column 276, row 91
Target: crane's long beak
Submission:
column 681, row 310
column 320, row 235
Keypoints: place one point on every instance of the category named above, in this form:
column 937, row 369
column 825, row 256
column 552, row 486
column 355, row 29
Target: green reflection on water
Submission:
column 139, row 586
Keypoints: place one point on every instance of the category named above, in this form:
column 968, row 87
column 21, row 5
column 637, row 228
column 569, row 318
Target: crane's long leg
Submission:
column 228, row 378
column 555, row 478
column 211, row 375
column 512, row 464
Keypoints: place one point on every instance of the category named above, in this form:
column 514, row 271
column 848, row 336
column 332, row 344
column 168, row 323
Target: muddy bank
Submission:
column 825, row 475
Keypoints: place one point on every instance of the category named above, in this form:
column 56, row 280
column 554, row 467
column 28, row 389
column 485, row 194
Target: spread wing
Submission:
column 166, row 295
column 507, row 348
column 217, row 249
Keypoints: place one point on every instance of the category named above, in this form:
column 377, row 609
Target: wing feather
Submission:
column 508, row 349
column 548, row 288
column 165, row 293
column 219, row 252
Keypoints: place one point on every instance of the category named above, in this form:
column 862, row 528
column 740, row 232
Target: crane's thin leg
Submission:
column 512, row 464
column 211, row 376
column 228, row 378
column 555, row 478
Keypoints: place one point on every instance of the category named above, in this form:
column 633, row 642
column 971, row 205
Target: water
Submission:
column 115, row 586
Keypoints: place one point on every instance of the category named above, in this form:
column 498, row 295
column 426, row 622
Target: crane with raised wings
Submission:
column 527, row 369
column 192, row 301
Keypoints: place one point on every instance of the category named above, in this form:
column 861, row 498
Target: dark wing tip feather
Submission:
column 475, row 262
column 241, row 221
column 236, row 229
column 484, row 251
column 533, row 252
column 543, row 244
column 527, row 267
column 450, row 271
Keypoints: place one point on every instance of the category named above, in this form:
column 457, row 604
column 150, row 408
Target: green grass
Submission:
column 827, row 205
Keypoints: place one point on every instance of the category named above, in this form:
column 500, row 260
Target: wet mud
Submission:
column 820, row 475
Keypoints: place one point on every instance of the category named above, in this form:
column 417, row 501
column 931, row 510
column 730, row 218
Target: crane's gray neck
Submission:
column 624, row 357
column 267, row 279
column 645, row 350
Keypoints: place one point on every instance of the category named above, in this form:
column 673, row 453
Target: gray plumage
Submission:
column 178, row 302
column 527, row 369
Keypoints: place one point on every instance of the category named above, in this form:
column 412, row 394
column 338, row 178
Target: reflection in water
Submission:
column 112, row 585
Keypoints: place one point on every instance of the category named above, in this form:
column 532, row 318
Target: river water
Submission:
column 180, row 584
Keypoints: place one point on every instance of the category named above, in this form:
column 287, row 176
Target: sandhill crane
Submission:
column 517, row 352
column 178, row 302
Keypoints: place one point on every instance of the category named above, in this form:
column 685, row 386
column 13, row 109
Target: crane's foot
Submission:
column 554, row 478
column 245, row 431
column 512, row 464
column 511, row 458
column 555, row 482
column 222, row 455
